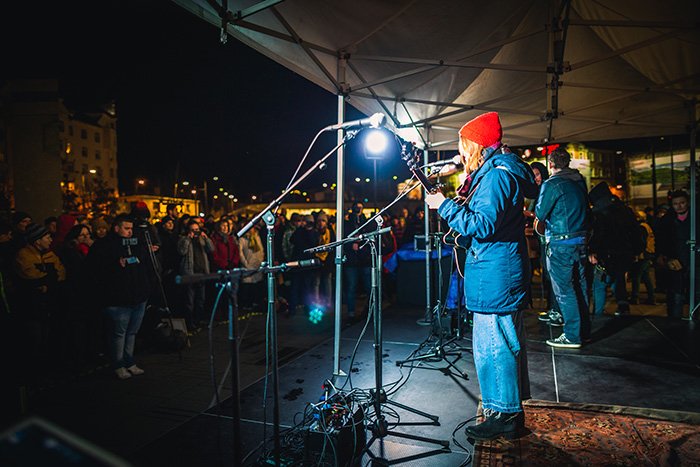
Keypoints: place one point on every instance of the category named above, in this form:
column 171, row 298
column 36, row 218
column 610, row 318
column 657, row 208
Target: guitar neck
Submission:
column 429, row 187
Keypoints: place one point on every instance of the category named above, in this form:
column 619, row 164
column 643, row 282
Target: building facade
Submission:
column 52, row 159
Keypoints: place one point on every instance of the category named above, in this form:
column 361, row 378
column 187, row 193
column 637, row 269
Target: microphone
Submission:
column 375, row 121
column 456, row 160
column 304, row 263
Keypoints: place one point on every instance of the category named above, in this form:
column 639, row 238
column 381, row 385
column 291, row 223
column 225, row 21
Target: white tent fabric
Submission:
column 627, row 68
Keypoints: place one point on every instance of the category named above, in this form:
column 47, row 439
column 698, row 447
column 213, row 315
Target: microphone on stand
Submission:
column 304, row 263
column 456, row 160
column 375, row 121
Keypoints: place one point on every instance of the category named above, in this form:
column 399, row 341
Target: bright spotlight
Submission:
column 376, row 143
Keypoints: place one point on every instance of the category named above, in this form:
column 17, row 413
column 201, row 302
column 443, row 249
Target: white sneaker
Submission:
column 134, row 370
column 122, row 373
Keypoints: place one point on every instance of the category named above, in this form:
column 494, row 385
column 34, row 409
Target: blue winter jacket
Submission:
column 497, row 271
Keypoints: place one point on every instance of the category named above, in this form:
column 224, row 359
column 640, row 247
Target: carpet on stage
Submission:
column 584, row 434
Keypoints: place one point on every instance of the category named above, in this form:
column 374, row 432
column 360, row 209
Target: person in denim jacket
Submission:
column 563, row 207
column 496, row 272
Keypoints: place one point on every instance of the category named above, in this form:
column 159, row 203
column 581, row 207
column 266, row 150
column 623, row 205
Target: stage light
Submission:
column 376, row 142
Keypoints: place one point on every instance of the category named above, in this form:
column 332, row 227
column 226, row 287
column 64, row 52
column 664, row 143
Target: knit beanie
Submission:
column 34, row 232
column 484, row 130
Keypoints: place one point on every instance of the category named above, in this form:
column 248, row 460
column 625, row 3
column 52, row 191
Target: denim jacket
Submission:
column 563, row 206
column 496, row 271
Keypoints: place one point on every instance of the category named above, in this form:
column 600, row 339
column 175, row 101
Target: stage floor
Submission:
column 636, row 361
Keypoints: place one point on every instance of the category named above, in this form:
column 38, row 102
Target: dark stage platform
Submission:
column 169, row 416
column 637, row 361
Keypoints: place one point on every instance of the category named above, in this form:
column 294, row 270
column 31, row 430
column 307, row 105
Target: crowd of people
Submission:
column 80, row 290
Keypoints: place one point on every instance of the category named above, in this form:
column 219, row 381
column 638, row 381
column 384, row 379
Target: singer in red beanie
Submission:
column 496, row 271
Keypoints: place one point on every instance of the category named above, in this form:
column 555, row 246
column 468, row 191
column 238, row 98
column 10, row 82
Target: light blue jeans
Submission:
column 497, row 347
column 566, row 265
column 125, row 324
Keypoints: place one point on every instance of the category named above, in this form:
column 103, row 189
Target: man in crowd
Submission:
column 39, row 275
column 20, row 221
column 119, row 268
column 358, row 262
column 194, row 248
column 563, row 207
column 674, row 252
column 323, row 287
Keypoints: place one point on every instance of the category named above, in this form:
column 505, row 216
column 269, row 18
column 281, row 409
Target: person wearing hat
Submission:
column 20, row 222
column 39, row 274
column 496, row 271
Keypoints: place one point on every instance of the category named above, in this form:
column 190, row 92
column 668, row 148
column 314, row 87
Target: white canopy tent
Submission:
column 556, row 71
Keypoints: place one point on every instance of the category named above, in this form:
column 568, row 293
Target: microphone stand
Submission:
column 380, row 429
column 269, row 218
column 225, row 278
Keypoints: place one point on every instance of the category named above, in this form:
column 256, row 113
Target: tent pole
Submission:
column 339, row 220
column 693, row 207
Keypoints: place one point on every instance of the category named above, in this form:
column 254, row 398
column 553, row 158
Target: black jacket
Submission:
column 118, row 285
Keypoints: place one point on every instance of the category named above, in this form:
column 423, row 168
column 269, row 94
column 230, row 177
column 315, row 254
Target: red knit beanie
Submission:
column 484, row 130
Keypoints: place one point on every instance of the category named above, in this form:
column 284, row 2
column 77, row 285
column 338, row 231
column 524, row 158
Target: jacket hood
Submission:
column 569, row 174
column 519, row 169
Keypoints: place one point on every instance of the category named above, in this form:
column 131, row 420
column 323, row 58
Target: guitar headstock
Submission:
column 411, row 155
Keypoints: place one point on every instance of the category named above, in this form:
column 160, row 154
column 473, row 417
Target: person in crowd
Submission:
column 252, row 254
column 40, row 275
column 7, row 276
column 172, row 212
column 20, row 221
column 194, row 248
column 147, row 234
column 323, row 276
column 84, row 322
column 168, row 257
column 51, row 224
column 563, row 208
column 358, row 264
column 100, row 227
column 496, row 185
column 674, row 253
column 303, row 291
column 642, row 263
column 64, row 223
column 416, row 226
column 226, row 254
column 117, row 264
column 615, row 241
column 291, row 278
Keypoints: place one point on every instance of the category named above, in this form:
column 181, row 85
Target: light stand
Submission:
column 380, row 429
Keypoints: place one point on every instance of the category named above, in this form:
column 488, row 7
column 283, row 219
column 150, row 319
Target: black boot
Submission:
column 508, row 425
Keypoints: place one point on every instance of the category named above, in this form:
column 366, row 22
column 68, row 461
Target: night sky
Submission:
column 186, row 104
column 184, row 101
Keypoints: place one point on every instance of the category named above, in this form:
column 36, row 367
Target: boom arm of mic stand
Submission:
column 330, row 246
column 277, row 201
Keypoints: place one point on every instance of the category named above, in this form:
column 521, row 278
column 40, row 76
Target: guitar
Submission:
column 451, row 237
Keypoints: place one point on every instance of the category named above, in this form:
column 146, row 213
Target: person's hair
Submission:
column 559, row 158
column 541, row 168
column 680, row 194
column 192, row 222
column 74, row 233
column 171, row 206
column 50, row 219
column 474, row 154
column 121, row 218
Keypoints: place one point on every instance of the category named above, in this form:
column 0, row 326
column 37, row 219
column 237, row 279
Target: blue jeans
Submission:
column 566, row 265
column 501, row 372
column 601, row 281
column 352, row 276
column 125, row 324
